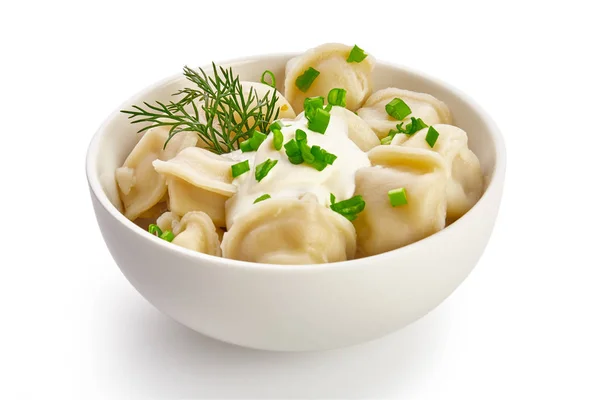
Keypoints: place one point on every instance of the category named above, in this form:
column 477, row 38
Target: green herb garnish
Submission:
column 432, row 136
column 277, row 138
column 261, row 198
column 240, row 168
column 304, row 81
column 292, row 150
column 337, row 97
column 415, row 125
column 271, row 75
column 231, row 115
column 257, row 139
column 168, row 236
column 356, row 55
column 398, row 109
column 311, row 104
column 397, row 197
column 156, row 231
column 348, row 208
column 263, row 169
column 320, row 121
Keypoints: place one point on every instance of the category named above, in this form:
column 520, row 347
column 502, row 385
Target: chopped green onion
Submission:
column 276, row 125
column 328, row 107
column 432, row 136
column 311, row 104
column 261, row 198
column 271, row 75
column 263, row 169
column 240, row 168
column 300, row 134
column 337, row 97
column 397, row 197
column 277, row 139
column 415, row 125
column 168, row 236
column 331, row 198
column 296, row 160
column 292, row 150
column 245, row 146
column 320, row 121
column 387, row 139
column 348, row 208
column 155, row 230
column 304, row 81
column 398, row 109
column 305, row 151
column 329, row 158
column 257, row 139
column 356, row 55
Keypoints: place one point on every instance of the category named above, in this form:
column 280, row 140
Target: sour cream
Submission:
column 287, row 180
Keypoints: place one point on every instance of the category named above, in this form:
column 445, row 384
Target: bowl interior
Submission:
column 117, row 137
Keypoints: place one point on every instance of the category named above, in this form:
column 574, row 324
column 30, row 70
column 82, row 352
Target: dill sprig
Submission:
column 230, row 115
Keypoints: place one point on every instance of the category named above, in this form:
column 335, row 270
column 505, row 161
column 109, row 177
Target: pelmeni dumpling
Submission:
column 198, row 180
column 422, row 173
column 285, row 108
column 358, row 130
column 465, row 185
column 424, row 106
column 334, row 72
column 168, row 221
column 140, row 186
column 197, row 232
column 290, row 231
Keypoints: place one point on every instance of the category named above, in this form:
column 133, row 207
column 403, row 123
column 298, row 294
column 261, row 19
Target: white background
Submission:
column 524, row 325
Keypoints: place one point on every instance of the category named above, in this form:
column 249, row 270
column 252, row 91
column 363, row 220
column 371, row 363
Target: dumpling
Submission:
column 168, row 221
column 197, row 232
column 198, row 180
column 358, row 130
column 424, row 106
column 334, row 72
column 465, row 185
column 422, row 173
column 290, row 231
column 140, row 186
column 285, row 108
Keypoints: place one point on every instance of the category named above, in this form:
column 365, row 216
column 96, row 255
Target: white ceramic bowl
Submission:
column 305, row 307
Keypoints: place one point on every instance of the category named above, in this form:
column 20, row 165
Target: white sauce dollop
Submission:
column 287, row 180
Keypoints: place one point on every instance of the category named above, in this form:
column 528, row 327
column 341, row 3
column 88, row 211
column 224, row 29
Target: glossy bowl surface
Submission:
column 307, row 307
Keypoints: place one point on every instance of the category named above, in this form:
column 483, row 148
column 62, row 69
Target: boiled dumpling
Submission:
column 198, row 180
column 422, row 173
column 197, row 232
column 424, row 106
column 334, row 72
column 290, row 231
column 285, row 108
column 140, row 186
column 465, row 185
column 168, row 221
column 358, row 130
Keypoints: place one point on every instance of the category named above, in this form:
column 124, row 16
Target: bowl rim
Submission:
column 496, row 178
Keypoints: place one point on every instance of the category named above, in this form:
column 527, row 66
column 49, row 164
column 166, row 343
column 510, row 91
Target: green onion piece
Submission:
column 276, row 125
column 337, row 97
column 331, row 198
column 416, row 124
column 304, row 81
column 330, row 158
column 291, row 148
column 387, row 140
column 257, row 139
column 277, row 139
column 168, row 236
column 296, row 160
column 300, row 134
column 328, row 107
column 311, row 104
column 397, row 197
column 271, row 75
column 305, row 151
column 261, row 198
column 356, row 55
column 240, row 168
column 155, row 230
column 348, row 208
column 320, row 121
column 245, row 146
column 318, row 153
column 432, row 136
column 263, row 169
column 398, row 109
